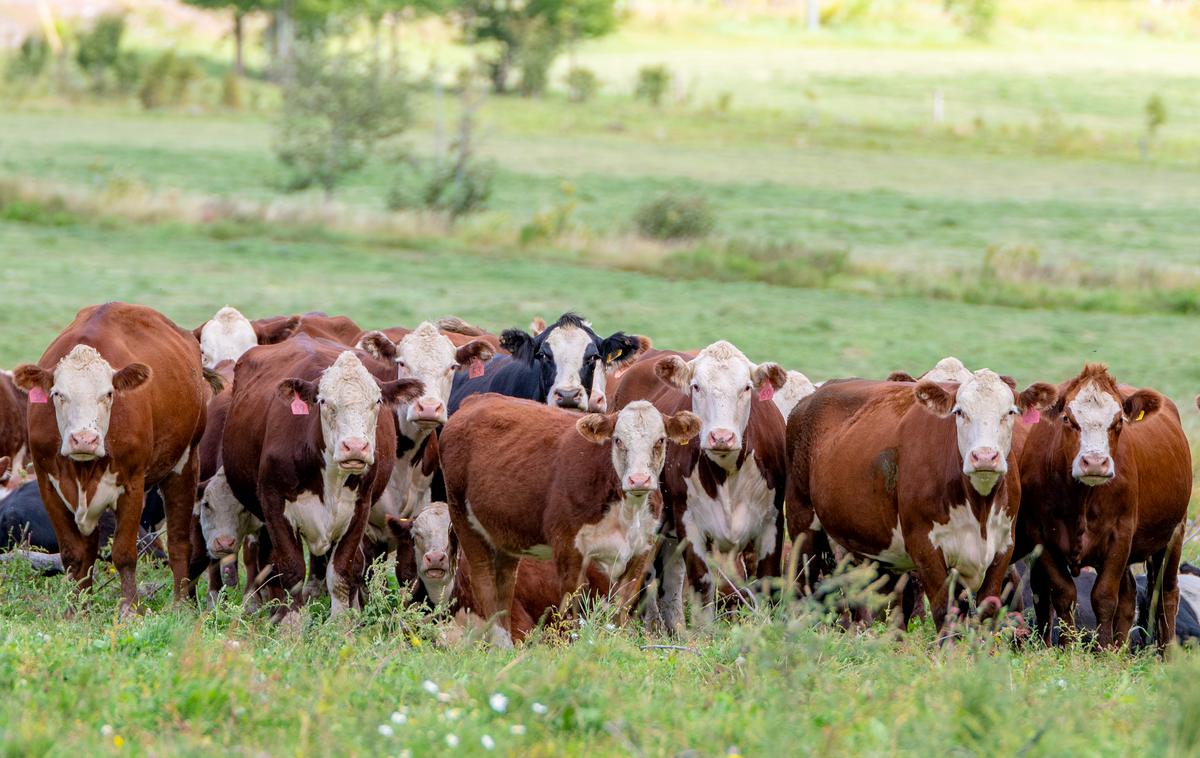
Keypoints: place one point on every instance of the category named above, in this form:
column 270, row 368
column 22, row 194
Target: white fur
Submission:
column 349, row 402
column 1094, row 410
column 89, row 510
column 624, row 533
column 895, row 556
column 82, row 396
column 796, row 388
column 323, row 519
column 964, row 545
column 183, row 459
column 948, row 369
column 428, row 355
column 643, row 449
column 987, row 412
column 741, row 514
column 225, row 337
column 568, row 344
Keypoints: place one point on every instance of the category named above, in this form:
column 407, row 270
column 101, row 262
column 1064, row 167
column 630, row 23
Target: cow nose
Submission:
column 1095, row 464
column 638, row 482
column 84, row 442
column 354, row 448
column 568, row 398
column 430, row 409
column 597, row 404
column 224, row 544
column 985, row 458
column 722, row 439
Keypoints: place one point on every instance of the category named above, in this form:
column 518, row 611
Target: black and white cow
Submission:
column 564, row 365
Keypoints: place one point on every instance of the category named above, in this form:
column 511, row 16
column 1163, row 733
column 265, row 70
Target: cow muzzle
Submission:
column 435, row 564
column 638, row 484
column 1093, row 468
column 428, row 412
column 354, row 455
column 569, row 397
column 221, row 546
column 721, row 441
column 984, row 467
column 83, row 445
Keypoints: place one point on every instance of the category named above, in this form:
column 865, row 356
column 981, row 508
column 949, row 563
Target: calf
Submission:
column 563, row 365
column 915, row 477
column 723, row 496
column 117, row 404
column 427, row 554
column 312, row 476
column 524, row 479
column 1105, row 482
column 228, row 334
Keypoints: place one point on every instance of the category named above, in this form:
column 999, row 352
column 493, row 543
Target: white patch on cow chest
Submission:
column 742, row 512
column 187, row 453
column 625, row 532
column 88, row 511
column 895, row 556
column 966, row 548
column 322, row 521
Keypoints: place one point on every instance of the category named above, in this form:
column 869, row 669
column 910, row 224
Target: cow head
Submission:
column 225, row 337
column 82, row 388
column 349, row 399
column 1092, row 413
column 426, row 354
column 223, row 520
column 948, row 369
column 722, row 383
column 639, row 434
column 434, row 547
column 572, row 360
column 985, row 408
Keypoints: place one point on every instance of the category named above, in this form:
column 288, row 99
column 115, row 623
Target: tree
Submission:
column 337, row 112
column 529, row 33
column 240, row 9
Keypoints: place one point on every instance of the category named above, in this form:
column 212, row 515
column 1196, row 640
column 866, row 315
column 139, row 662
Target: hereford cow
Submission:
column 526, row 479
column 1105, row 482
column 563, row 365
column 723, row 496
column 228, row 334
column 456, row 330
column 312, row 475
column 117, row 404
column 427, row 554
column 13, row 433
column 948, row 369
column 914, row 476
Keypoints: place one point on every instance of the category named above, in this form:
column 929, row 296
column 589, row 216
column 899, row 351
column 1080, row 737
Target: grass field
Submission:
column 828, row 142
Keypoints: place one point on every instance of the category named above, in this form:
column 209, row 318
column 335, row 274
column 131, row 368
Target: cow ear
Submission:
column 1038, row 395
column 517, row 342
column 769, row 372
column 198, row 331
column 401, row 527
column 674, row 371
column 537, row 326
column 29, row 375
column 1012, row 383
column 270, row 331
column 622, row 349
column 901, row 376
column 401, row 390
column 1142, row 404
column 937, row 399
column 473, row 350
column 378, row 345
column 597, row 427
column 682, row 426
column 292, row 388
column 4, row 464
column 131, row 377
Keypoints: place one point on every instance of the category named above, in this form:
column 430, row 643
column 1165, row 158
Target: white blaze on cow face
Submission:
column 985, row 412
column 84, row 384
column 948, row 369
column 223, row 520
column 225, row 337
column 569, row 346
column 349, row 399
column 721, row 382
column 1094, row 412
column 434, row 551
column 428, row 355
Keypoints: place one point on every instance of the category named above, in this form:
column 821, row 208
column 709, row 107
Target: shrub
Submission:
column 671, row 217
column 582, row 84
column 99, row 48
column 652, row 84
column 440, row 186
column 168, row 81
column 30, row 60
column 975, row 17
column 231, row 91
column 534, row 59
column 550, row 223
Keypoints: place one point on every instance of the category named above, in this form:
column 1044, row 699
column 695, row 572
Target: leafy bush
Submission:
column 168, row 81
column 672, row 217
column 787, row 264
column 30, row 60
column 652, row 84
column 98, row 49
column 582, row 84
column 441, row 186
column 975, row 17
column 534, row 59
column 550, row 223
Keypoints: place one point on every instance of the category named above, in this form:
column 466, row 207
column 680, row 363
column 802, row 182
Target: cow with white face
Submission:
column 429, row 552
column 225, row 337
column 225, row 524
column 723, row 497
column 564, row 365
column 82, row 394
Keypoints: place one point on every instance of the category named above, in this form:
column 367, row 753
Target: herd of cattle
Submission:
column 510, row 476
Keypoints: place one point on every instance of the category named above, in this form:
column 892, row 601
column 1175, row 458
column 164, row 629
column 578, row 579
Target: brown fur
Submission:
column 14, row 435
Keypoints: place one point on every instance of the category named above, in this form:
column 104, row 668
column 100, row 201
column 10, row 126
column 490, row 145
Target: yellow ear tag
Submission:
column 1141, row 415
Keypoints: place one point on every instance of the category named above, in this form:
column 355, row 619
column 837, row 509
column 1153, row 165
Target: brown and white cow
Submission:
column 723, row 496
column 14, row 435
column 228, row 334
column 312, row 476
column 426, row 554
column 340, row 329
column 948, row 369
column 914, row 476
column 117, row 404
column 456, row 330
column 526, row 479
column 1105, row 482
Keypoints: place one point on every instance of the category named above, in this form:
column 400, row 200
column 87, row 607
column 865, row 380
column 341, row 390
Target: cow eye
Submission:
column 619, row 443
column 695, row 387
column 957, row 412
column 747, row 388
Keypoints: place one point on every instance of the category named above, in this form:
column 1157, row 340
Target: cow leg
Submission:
column 629, row 584
column 124, row 544
column 213, row 574
column 482, row 566
column 988, row 597
column 179, row 500
column 287, row 554
column 704, row 580
column 1043, row 611
column 1105, row 596
column 1163, row 573
column 932, row 572
column 1062, row 597
column 770, row 563
column 571, row 580
column 671, row 586
column 342, row 574
column 78, row 552
column 199, row 562
column 1126, row 608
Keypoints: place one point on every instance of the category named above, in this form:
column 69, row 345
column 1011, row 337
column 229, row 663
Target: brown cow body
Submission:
column 156, row 417
column 522, row 479
column 280, row 465
column 1133, row 510
column 14, row 434
column 886, row 479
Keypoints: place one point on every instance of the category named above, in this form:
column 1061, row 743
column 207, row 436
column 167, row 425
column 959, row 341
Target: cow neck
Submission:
column 315, row 471
column 713, row 475
column 83, row 474
column 414, row 441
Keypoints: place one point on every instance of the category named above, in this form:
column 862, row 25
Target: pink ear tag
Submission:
column 1031, row 416
column 37, row 396
column 476, row 369
column 767, row 392
column 299, row 407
